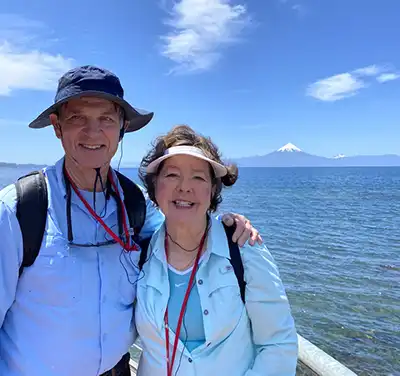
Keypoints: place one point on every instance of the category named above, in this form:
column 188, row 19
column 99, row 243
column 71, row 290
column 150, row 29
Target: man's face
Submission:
column 89, row 129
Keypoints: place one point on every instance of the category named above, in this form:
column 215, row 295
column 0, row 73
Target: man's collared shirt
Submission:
column 71, row 312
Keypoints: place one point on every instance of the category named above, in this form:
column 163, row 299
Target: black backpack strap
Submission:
column 236, row 260
column 135, row 204
column 31, row 214
column 144, row 245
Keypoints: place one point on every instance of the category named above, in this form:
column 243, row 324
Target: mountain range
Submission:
column 292, row 156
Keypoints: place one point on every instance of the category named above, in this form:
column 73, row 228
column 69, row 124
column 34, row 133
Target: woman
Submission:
column 188, row 285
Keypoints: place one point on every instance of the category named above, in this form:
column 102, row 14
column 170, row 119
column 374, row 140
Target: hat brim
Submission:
column 137, row 118
column 219, row 169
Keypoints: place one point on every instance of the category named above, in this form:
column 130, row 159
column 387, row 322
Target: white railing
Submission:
column 319, row 361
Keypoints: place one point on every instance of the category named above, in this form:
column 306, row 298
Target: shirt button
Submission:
column 190, row 360
column 104, row 337
column 200, row 281
column 206, row 312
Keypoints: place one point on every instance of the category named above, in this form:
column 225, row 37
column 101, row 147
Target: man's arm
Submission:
column 10, row 258
column 244, row 229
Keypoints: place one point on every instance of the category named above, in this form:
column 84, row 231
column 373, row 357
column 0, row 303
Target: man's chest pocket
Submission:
column 55, row 278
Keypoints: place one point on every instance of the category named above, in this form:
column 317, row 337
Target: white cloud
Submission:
column 22, row 67
column 348, row 84
column 295, row 6
column 336, row 87
column 29, row 70
column 19, row 30
column 299, row 8
column 200, row 29
column 385, row 77
column 371, row 70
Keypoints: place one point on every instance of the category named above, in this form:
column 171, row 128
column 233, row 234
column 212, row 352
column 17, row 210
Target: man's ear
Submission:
column 123, row 129
column 56, row 125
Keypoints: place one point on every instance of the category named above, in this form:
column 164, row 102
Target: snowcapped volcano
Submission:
column 289, row 148
column 291, row 156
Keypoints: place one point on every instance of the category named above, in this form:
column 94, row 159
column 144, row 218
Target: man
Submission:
column 70, row 312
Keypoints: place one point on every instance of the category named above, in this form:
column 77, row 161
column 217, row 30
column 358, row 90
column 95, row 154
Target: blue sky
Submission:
column 252, row 74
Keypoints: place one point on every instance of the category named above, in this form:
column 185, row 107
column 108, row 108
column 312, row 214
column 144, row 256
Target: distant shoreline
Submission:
column 13, row 165
column 37, row 166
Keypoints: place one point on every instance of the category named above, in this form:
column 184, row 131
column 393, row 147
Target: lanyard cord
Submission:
column 170, row 362
column 121, row 213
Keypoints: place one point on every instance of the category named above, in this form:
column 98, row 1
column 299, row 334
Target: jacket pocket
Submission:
column 224, row 281
column 226, row 306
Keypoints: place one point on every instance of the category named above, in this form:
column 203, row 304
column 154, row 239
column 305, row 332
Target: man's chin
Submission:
column 92, row 163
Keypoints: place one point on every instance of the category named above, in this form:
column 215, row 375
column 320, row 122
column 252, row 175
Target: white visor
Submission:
column 219, row 169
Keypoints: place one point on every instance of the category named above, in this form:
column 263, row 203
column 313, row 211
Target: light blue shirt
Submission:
column 255, row 339
column 71, row 312
column 192, row 330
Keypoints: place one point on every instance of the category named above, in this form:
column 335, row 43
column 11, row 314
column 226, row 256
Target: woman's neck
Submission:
column 184, row 243
column 85, row 178
column 186, row 236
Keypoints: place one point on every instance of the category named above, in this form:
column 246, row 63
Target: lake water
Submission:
column 335, row 234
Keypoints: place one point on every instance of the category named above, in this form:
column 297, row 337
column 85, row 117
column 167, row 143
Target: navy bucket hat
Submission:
column 93, row 81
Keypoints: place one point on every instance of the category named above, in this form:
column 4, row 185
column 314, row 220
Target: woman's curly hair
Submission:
column 184, row 135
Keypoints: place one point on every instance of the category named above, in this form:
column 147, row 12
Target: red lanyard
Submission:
column 126, row 245
column 170, row 362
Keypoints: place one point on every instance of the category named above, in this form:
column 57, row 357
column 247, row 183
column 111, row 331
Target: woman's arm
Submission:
column 273, row 328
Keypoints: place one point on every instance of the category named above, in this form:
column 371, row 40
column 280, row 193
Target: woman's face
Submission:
column 183, row 189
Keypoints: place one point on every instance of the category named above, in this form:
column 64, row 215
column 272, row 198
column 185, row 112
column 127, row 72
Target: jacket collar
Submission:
column 217, row 244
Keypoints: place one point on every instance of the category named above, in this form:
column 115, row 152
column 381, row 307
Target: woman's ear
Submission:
column 213, row 190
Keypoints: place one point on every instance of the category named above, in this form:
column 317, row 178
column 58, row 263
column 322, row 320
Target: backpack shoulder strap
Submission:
column 31, row 214
column 135, row 203
column 144, row 245
column 236, row 260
